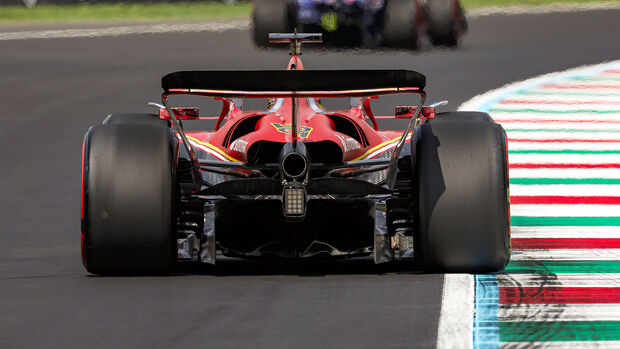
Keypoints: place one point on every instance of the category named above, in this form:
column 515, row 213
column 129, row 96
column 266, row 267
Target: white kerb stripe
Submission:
column 565, row 210
column 565, row 158
column 611, row 254
column 562, row 146
column 560, row 280
column 610, row 232
column 564, row 190
column 559, row 312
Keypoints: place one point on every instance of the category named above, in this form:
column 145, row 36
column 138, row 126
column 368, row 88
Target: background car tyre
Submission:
column 129, row 199
column 461, row 182
column 400, row 30
column 270, row 16
column 446, row 22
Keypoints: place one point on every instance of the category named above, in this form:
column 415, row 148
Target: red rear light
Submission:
column 407, row 112
column 186, row 113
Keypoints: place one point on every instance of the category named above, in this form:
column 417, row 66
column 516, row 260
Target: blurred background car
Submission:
column 367, row 23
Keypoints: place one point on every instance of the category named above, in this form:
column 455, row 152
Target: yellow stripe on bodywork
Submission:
column 377, row 147
column 211, row 146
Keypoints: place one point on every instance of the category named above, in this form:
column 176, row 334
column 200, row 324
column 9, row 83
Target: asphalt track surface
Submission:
column 53, row 90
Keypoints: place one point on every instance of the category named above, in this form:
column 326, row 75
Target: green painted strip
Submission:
column 565, row 111
column 567, row 93
column 542, row 181
column 542, row 331
column 580, row 130
column 562, row 267
column 527, row 221
column 564, row 151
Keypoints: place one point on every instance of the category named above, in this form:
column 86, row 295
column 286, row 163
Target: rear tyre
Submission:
column 461, row 182
column 129, row 199
column 399, row 30
column 270, row 16
column 447, row 22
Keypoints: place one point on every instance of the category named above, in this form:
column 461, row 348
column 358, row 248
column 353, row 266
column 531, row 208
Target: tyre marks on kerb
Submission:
column 562, row 286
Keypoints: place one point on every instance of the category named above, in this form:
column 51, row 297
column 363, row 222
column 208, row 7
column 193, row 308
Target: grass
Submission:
column 176, row 11
column 124, row 12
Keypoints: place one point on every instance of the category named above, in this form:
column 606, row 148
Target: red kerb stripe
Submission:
column 581, row 243
column 550, row 200
column 558, row 295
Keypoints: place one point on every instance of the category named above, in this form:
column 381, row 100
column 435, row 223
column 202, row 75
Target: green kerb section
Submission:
column 567, row 151
column 573, row 130
column 543, row 181
column 528, row 221
column 564, row 111
column 562, row 267
column 543, row 331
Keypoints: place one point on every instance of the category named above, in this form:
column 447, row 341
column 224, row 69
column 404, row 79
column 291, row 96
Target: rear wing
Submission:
column 293, row 83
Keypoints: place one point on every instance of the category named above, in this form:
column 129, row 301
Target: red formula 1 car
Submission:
column 295, row 180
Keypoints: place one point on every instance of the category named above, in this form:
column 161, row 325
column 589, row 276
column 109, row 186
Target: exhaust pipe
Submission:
column 294, row 165
column 294, row 161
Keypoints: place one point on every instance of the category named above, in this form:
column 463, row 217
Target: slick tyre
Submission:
column 446, row 22
column 461, row 179
column 129, row 199
column 270, row 16
column 400, row 29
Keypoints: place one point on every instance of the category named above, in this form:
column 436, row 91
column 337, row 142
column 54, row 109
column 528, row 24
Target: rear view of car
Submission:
column 369, row 23
column 295, row 180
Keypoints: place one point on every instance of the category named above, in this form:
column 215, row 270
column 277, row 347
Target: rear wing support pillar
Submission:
column 413, row 125
column 176, row 125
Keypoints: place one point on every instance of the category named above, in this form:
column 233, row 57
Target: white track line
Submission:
column 610, row 232
column 565, row 210
column 457, row 312
column 128, row 30
column 594, row 254
column 559, row 312
column 560, row 280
